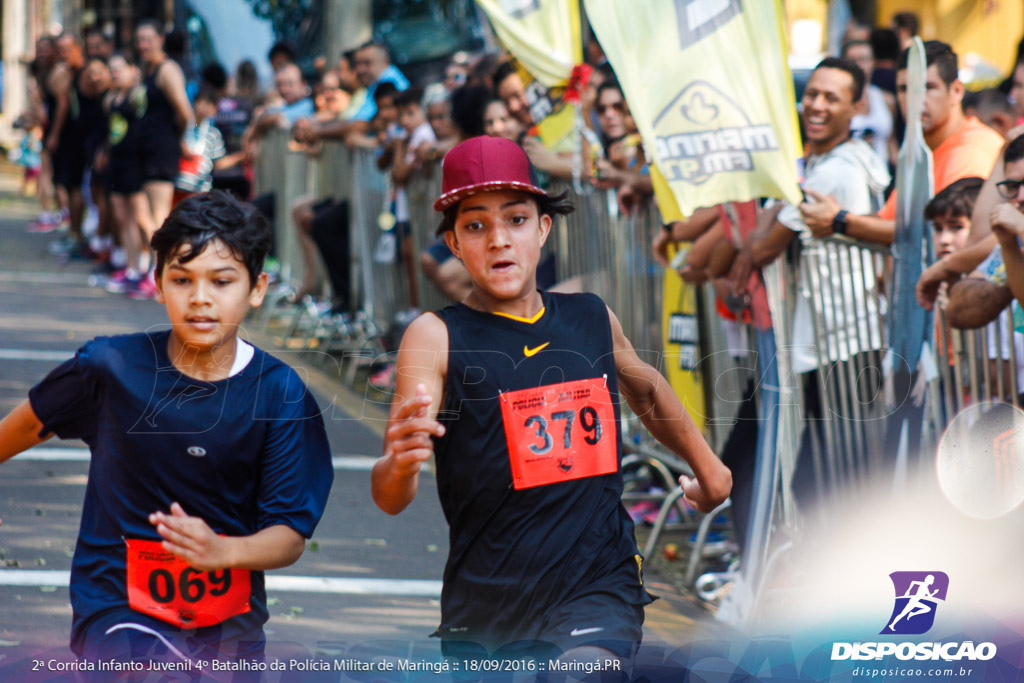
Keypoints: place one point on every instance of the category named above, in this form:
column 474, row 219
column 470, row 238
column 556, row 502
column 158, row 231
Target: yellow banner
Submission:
column 543, row 35
column 708, row 85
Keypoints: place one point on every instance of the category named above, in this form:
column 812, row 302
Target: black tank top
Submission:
column 88, row 119
column 517, row 553
column 158, row 122
column 124, row 121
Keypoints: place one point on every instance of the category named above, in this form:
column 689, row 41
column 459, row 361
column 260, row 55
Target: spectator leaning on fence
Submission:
column 297, row 104
column 1007, row 219
column 961, row 147
column 848, row 170
column 372, row 68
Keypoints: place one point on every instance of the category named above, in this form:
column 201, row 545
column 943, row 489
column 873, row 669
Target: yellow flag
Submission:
column 543, row 35
column 709, row 88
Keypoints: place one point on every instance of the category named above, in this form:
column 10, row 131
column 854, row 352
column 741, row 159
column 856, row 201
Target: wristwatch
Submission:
column 839, row 223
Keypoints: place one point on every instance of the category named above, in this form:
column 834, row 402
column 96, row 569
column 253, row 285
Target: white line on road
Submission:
column 351, row 463
column 28, row 354
column 43, row 278
column 285, row 584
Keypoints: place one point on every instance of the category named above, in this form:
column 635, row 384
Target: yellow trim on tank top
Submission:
column 529, row 321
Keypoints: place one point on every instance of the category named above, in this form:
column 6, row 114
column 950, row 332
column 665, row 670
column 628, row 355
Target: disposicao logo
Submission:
column 917, row 597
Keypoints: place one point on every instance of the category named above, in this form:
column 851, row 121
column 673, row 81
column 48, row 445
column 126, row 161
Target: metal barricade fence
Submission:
column 422, row 190
column 979, row 364
column 841, row 281
column 597, row 249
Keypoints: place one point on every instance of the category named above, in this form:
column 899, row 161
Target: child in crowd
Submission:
column 515, row 392
column 209, row 458
column 416, row 133
column 950, row 213
column 207, row 147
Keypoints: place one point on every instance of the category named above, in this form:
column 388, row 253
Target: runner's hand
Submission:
column 192, row 539
column 407, row 440
column 695, row 495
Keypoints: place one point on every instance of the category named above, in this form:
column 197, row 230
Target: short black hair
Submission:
column 207, row 95
column 854, row 43
column 939, row 54
column 157, row 27
column 610, row 84
column 385, row 89
column 410, row 96
column 988, row 101
column 850, row 67
column 885, row 44
column 215, row 76
column 468, row 105
column 907, row 21
column 201, row 218
column 956, row 199
column 378, row 44
column 1014, row 150
column 284, row 48
column 547, row 205
column 504, row 70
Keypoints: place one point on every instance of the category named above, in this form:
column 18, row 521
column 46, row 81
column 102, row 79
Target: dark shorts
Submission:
column 124, row 174
column 122, row 635
column 69, row 166
column 160, row 159
column 596, row 620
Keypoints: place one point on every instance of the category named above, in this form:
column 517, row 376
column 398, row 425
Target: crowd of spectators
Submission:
column 124, row 134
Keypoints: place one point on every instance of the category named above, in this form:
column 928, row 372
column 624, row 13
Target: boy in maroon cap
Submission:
column 516, row 394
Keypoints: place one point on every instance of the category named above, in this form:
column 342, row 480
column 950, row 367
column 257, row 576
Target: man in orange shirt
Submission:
column 961, row 147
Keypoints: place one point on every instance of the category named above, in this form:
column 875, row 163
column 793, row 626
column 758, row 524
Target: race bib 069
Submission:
column 560, row 432
column 164, row 586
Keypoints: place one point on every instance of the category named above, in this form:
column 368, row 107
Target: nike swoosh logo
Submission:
column 533, row 352
column 585, row 631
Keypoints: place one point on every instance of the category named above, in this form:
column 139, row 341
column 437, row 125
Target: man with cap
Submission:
column 515, row 392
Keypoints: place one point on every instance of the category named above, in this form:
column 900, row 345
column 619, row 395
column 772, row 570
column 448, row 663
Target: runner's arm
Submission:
column 19, row 431
column 656, row 404
column 192, row 539
column 420, row 371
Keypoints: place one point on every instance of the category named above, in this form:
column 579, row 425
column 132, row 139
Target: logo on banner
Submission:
column 917, row 597
column 699, row 18
column 715, row 135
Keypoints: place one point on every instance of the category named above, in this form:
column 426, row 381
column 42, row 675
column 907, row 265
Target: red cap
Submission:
column 482, row 164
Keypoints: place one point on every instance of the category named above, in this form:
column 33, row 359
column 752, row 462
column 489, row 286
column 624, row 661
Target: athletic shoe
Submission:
column 65, row 246
column 144, row 289
column 45, row 220
column 384, row 378
column 119, row 282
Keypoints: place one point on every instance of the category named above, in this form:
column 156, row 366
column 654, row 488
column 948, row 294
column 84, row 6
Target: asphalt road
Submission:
column 367, row 581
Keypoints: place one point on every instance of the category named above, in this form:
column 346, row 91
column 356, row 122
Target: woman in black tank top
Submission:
column 515, row 392
column 167, row 115
column 126, row 104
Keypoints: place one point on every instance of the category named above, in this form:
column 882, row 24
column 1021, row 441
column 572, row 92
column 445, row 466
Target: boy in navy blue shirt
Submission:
column 210, row 463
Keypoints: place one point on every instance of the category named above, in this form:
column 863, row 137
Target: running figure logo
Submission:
column 917, row 596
